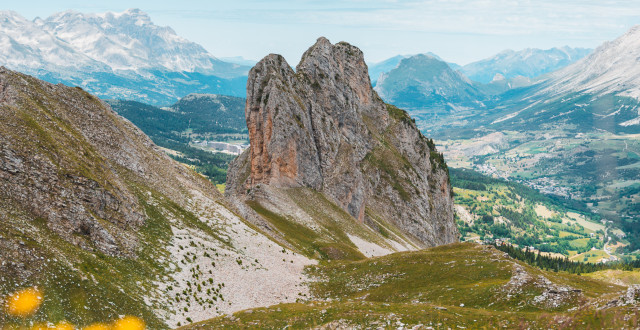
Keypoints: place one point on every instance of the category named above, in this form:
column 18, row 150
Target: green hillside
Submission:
column 596, row 169
column 213, row 118
column 460, row 285
column 489, row 209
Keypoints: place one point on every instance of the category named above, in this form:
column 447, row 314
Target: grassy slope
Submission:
column 83, row 285
column 460, row 284
column 617, row 276
column 327, row 237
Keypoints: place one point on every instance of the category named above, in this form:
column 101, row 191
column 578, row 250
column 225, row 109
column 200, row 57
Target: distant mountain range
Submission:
column 530, row 63
column 611, row 69
column 601, row 91
column 376, row 69
column 418, row 83
column 239, row 60
column 425, row 81
column 126, row 56
column 572, row 132
column 115, row 55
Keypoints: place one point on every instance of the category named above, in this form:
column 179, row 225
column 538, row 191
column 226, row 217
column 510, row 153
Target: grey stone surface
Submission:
column 322, row 126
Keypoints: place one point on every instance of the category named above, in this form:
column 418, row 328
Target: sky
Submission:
column 460, row 31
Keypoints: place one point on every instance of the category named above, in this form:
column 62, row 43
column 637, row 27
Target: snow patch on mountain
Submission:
column 130, row 41
column 614, row 67
column 530, row 63
column 115, row 55
column 26, row 47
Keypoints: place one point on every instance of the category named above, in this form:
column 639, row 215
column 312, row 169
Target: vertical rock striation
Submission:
column 323, row 127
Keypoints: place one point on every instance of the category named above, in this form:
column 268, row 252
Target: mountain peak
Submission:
column 328, row 62
column 634, row 30
column 321, row 129
column 611, row 68
column 528, row 62
column 323, row 50
column 498, row 77
column 322, row 41
column 425, row 81
column 10, row 14
column 133, row 15
column 130, row 41
column 135, row 12
column 10, row 17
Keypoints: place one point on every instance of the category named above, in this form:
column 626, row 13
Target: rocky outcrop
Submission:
column 323, row 127
column 69, row 162
column 630, row 297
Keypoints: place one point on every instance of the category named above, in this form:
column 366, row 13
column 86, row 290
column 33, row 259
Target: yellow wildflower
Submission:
column 24, row 302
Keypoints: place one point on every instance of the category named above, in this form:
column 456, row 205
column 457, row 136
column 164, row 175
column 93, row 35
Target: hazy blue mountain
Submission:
column 115, row 55
column 376, row 69
column 600, row 91
column 530, row 63
column 500, row 84
column 423, row 81
column 611, row 69
column 202, row 114
column 239, row 60
column 226, row 113
column 572, row 133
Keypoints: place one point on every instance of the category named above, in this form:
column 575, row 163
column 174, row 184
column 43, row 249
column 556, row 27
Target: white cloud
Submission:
column 458, row 30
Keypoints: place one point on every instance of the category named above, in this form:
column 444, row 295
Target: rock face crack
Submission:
column 324, row 127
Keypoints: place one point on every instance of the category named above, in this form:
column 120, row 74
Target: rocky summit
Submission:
column 322, row 128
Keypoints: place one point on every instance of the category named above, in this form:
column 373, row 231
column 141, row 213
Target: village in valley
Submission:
column 222, row 147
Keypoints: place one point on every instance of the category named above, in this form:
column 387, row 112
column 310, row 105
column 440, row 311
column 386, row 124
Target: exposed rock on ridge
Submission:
column 69, row 160
column 107, row 224
column 324, row 127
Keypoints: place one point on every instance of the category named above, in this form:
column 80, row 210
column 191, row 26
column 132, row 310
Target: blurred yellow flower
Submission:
column 40, row 326
column 129, row 323
column 62, row 325
column 27, row 301
column 97, row 326
column 24, row 302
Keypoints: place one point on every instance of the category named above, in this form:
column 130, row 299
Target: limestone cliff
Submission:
column 323, row 127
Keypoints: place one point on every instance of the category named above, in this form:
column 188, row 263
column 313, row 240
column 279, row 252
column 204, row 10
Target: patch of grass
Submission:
column 453, row 286
column 306, row 240
column 579, row 243
column 221, row 187
column 398, row 114
column 616, row 276
column 84, row 287
column 336, row 223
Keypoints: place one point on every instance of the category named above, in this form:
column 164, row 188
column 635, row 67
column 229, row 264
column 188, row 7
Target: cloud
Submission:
column 496, row 17
column 462, row 29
